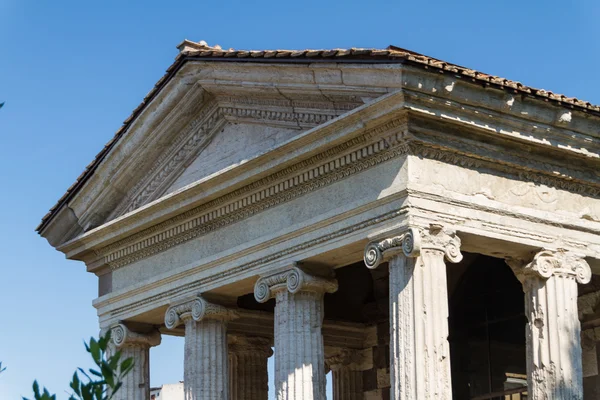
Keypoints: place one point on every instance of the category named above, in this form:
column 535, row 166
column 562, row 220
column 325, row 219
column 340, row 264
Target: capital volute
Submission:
column 547, row 263
column 122, row 336
column 413, row 242
column 294, row 280
column 197, row 309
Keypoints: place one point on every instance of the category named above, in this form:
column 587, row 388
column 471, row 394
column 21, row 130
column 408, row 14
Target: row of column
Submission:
column 419, row 350
column 420, row 357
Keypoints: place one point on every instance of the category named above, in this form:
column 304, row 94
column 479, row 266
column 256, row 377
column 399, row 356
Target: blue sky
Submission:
column 71, row 71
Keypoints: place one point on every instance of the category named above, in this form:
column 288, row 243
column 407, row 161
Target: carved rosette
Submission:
column 294, row 280
column 548, row 263
column 121, row 336
column 197, row 309
column 412, row 243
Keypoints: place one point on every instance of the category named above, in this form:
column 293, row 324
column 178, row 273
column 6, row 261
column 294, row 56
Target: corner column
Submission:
column 136, row 384
column 347, row 375
column 554, row 366
column 206, row 362
column 299, row 351
column 248, row 375
column 419, row 350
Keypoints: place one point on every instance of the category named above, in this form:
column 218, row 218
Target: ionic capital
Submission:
column 294, row 280
column 548, row 263
column 197, row 309
column 240, row 344
column 121, row 336
column 413, row 242
column 345, row 358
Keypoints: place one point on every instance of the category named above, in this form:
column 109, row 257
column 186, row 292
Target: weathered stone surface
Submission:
column 248, row 375
column 136, row 384
column 235, row 170
column 347, row 373
column 206, row 360
column 420, row 354
column 300, row 361
column 554, row 364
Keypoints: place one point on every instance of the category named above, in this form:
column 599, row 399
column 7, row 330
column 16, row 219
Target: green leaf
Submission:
column 126, row 365
column 95, row 351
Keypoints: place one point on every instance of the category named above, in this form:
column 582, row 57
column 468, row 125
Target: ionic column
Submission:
column 299, row 352
column 347, row 376
column 136, row 384
column 553, row 332
column 248, row 375
column 419, row 350
column 206, row 362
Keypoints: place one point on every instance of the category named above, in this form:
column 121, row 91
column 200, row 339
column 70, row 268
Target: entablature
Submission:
column 302, row 96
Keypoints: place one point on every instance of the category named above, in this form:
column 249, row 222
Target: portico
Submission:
column 326, row 206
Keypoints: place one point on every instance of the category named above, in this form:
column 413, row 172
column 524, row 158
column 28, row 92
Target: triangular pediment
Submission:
column 225, row 131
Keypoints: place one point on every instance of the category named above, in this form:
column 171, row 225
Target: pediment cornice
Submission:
column 475, row 137
column 190, row 141
column 389, row 134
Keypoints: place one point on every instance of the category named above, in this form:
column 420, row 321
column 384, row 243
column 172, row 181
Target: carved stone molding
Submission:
column 283, row 186
column 354, row 156
column 293, row 280
column 200, row 131
column 197, row 309
column 121, row 336
column 547, row 263
column 187, row 288
column 414, row 241
column 554, row 369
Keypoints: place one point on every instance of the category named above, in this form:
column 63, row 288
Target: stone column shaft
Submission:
column 299, row 351
column 248, row 375
column 206, row 362
column 299, row 363
column 554, row 367
column 347, row 375
column 347, row 384
column 419, row 350
column 136, row 384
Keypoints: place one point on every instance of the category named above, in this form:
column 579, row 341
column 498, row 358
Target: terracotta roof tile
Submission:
column 189, row 51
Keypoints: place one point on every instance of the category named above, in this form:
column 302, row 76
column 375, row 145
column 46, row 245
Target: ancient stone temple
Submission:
column 420, row 229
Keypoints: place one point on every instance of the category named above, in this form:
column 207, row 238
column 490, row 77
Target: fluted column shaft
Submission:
column 347, row 375
column 299, row 355
column 248, row 375
column 136, row 384
column 554, row 367
column 206, row 362
column 299, row 351
column 347, row 383
column 419, row 350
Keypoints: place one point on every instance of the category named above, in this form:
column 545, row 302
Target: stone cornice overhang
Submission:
column 304, row 146
column 580, row 177
column 357, row 56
